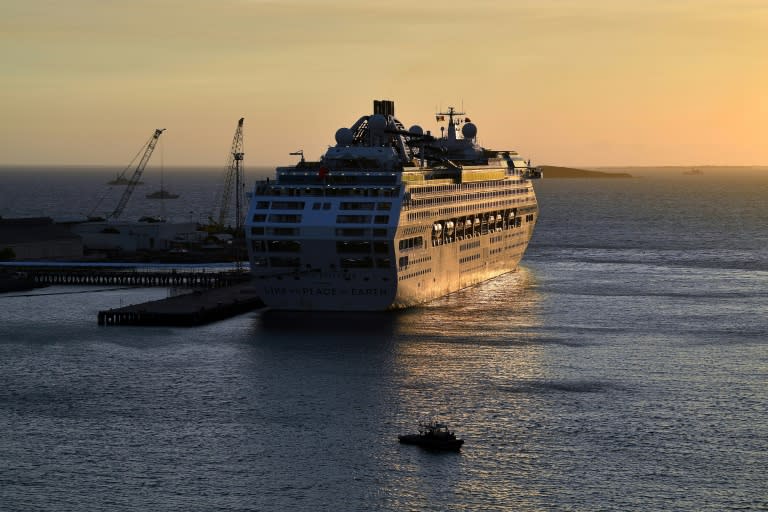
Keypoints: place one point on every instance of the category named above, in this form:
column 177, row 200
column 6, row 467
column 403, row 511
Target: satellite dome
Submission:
column 344, row 137
column 469, row 131
column 377, row 123
column 416, row 130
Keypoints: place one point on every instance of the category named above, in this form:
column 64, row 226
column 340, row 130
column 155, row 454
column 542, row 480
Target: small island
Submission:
column 552, row 171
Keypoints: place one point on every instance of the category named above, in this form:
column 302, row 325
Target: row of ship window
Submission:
column 328, row 191
column 415, row 274
column 453, row 230
column 470, row 245
column 470, row 270
column 299, row 205
column 459, row 210
column 404, row 261
column 288, row 218
column 412, row 230
column 294, row 262
column 462, row 198
column 498, row 250
column 345, row 232
column 471, row 257
column 442, row 189
column 350, row 176
column 415, row 242
column 355, row 254
column 342, row 246
column 365, row 232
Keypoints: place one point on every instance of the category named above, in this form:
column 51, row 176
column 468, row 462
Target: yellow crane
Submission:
column 135, row 179
column 233, row 189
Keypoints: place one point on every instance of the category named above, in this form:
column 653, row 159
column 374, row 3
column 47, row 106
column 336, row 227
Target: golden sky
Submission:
column 565, row 82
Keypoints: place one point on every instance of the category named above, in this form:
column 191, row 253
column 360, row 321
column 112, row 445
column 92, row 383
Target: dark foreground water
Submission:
column 624, row 367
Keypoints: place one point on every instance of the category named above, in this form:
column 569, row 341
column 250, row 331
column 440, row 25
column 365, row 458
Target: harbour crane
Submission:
column 148, row 148
column 234, row 185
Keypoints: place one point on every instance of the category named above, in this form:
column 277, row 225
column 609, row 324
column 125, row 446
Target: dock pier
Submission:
column 197, row 308
column 218, row 294
column 106, row 277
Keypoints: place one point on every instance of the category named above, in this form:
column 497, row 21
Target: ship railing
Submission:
column 274, row 190
column 463, row 189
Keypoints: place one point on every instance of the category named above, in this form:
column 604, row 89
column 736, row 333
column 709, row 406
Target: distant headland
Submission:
column 552, row 171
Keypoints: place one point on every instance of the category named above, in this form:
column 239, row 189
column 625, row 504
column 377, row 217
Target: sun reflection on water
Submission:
column 455, row 360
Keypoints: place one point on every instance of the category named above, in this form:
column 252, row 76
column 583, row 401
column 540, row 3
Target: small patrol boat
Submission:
column 433, row 436
column 162, row 194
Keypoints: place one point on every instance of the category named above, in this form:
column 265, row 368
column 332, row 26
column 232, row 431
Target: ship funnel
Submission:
column 384, row 107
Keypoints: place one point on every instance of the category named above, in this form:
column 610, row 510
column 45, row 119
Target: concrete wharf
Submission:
column 197, row 308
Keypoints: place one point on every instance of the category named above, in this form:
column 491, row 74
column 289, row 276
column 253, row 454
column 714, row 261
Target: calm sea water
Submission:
column 623, row 367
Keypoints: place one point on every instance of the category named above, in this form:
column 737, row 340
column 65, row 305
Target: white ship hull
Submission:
column 387, row 237
column 441, row 274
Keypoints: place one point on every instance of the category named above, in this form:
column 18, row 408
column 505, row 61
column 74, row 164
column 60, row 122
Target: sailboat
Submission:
column 162, row 193
column 120, row 179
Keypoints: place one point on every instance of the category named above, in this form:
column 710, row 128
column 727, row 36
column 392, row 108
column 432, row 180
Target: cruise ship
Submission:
column 390, row 217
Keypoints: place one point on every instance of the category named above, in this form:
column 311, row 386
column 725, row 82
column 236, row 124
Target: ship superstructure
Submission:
column 390, row 217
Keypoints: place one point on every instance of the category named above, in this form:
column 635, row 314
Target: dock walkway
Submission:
column 192, row 309
column 100, row 277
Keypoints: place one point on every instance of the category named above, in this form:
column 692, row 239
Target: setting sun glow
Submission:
column 587, row 83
